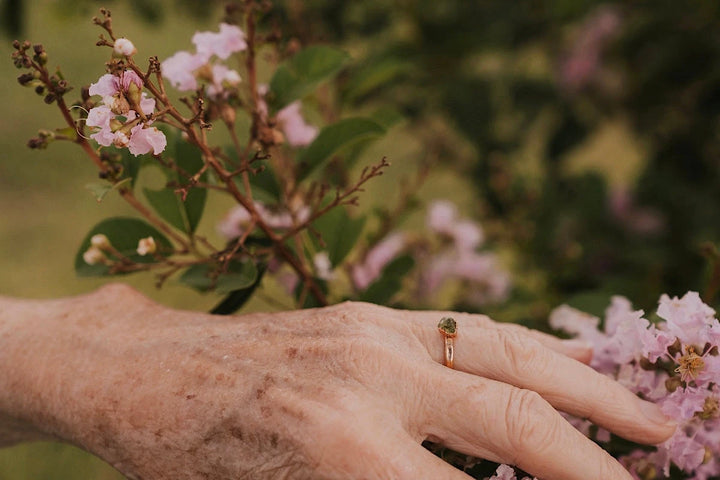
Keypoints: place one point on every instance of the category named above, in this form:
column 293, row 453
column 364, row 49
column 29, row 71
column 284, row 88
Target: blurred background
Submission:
column 582, row 135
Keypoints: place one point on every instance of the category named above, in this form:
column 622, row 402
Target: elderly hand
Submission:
column 344, row 392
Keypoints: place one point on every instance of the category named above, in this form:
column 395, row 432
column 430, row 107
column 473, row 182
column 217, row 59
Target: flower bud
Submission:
column 146, row 246
column 125, row 47
column 93, row 256
column 25, row 79
column 134, row 95
column 100, row 241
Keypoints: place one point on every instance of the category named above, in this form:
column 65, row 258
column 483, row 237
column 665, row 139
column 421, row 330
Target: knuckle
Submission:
column 532, row 424
column 522, row 354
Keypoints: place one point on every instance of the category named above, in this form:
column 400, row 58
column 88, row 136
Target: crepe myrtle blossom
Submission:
column 121, row 119
column 187, row 71
column 505, row 472
column 459, row 258
column 370, row 268
column 674, row 363
column 296, row 131
column 238, row 219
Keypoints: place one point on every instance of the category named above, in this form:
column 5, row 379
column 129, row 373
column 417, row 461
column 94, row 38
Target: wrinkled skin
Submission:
column 345, row 392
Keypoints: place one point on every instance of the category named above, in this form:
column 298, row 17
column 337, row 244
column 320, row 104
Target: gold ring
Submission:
column 448, row 328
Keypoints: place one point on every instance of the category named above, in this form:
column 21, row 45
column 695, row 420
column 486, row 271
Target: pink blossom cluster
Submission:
column 459, row 258
column 238, row 219
column 186, row 71
column 455, row 258
column 505, row 472
column 123, row 116
column 674, row 363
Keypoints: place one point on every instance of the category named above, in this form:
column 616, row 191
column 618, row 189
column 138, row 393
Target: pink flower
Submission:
column 297, row 132
column 441, row 216
column 468, row 235
column 180, row 69
column 504, row 472
column 229, row 40
column 146, row 139
column 688, row 318
column 378, row 257
column 222, row 79
column 239, row 219
column 185, row 70
column 109, row 85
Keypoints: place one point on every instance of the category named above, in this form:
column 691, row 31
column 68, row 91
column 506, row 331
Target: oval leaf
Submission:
column 339, row 232
column 302, row 73
column 240, row 275
column 334, row 137
column 124, row 235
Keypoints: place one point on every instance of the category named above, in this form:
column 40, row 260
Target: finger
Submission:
column 373, row 447
column 512, row 357
column 499, row 422
column 577, row 349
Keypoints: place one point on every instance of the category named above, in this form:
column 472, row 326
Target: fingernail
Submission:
column 653, row 413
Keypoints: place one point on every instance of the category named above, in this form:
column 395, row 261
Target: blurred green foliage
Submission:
column 600, row 181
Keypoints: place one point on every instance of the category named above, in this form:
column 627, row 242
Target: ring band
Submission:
column 448, row 328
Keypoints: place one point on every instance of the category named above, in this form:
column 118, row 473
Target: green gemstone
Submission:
column 448, row 326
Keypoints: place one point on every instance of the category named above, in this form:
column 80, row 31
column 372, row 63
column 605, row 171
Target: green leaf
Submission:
column 240, row 275
column 375, row 74
column 202, row 277
column 301, row 74
column 237, row 298
column 390, row 281
column 100, row 190
column 340, row 233
column 124, row 235
column 181, row 214
column 198, row 277
column 169, row 206
column 334, row 137
column 131, row 166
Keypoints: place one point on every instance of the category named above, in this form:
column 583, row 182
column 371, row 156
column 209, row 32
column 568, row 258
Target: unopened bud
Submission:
column 93, row 256
column 41, row 58
column 228, row 114
column 49, row 98
column 37, row 143
column 146, row 246
column 672, row 384
column 38, row 49
column 675, row 348
column 100, row 241
column 134, row 94
column 25, row 79
column 40, row 90
column 125, row 47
